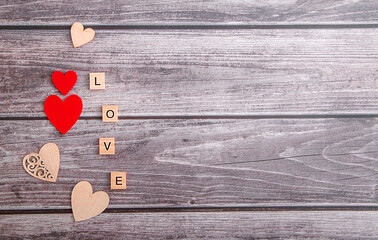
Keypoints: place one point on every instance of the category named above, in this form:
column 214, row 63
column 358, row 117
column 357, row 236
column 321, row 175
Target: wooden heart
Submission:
column 85, row 204
column 45, row 165
column 80, row 36
column 63, row 115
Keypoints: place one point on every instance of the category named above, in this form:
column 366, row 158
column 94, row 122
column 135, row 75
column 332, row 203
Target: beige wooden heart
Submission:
column 45, row 165
column 80, row 36
column 86, row 205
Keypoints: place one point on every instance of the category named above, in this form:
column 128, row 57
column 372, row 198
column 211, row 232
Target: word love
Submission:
column 63, row 114
column 107, row 145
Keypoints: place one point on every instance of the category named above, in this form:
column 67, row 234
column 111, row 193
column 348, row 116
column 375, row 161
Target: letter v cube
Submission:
column 106, row 146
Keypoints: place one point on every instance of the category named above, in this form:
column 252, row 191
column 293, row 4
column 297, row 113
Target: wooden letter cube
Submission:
column 97, row 81
column 107, row 146
column 118, row 180
column 110, row 113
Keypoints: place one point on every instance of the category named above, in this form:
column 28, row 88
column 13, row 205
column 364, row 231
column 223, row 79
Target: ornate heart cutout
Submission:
column 45, row 165
column 80, row 36
column 64, row 82
column 85, row 204
column 63, row 115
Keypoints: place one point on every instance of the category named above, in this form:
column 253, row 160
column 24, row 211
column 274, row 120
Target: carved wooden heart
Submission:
column 85, row 204
column 80, row 36
column 45, row 165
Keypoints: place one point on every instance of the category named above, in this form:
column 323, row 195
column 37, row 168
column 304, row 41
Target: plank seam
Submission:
column 235, row 116
column 194, row 26
column 202, row 209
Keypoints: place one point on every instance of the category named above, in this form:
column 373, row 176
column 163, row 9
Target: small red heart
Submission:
column 63, row 115
column 64, row 82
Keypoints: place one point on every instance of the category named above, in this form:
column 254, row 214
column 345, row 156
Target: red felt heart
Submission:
column 64, row 82
column 63, row 115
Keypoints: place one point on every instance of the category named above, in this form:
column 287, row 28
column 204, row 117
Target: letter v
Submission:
column 107, row 147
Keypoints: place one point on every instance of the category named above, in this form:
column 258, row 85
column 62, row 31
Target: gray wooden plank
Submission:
column 195, row 225
column 189, row 163
column 187, row 12
column 196, row 72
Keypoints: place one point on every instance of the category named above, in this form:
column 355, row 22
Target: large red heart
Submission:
column 64, row 82
column 63, row 115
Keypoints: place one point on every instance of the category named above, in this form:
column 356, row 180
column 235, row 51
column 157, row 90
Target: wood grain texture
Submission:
column 196, row 72
column 218, row 225
column 184, row 168
column 189, row 163
column 187, row 12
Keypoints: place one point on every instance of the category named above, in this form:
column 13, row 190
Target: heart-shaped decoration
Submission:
column 85, row 204
column 64, row 82
column 63, row 115
column 80, row 36
column 45, row 165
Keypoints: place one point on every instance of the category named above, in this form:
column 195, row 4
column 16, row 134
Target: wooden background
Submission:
column 238, row 119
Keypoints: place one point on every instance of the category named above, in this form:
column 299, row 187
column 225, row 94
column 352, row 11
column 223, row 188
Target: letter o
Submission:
column 107, row 113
